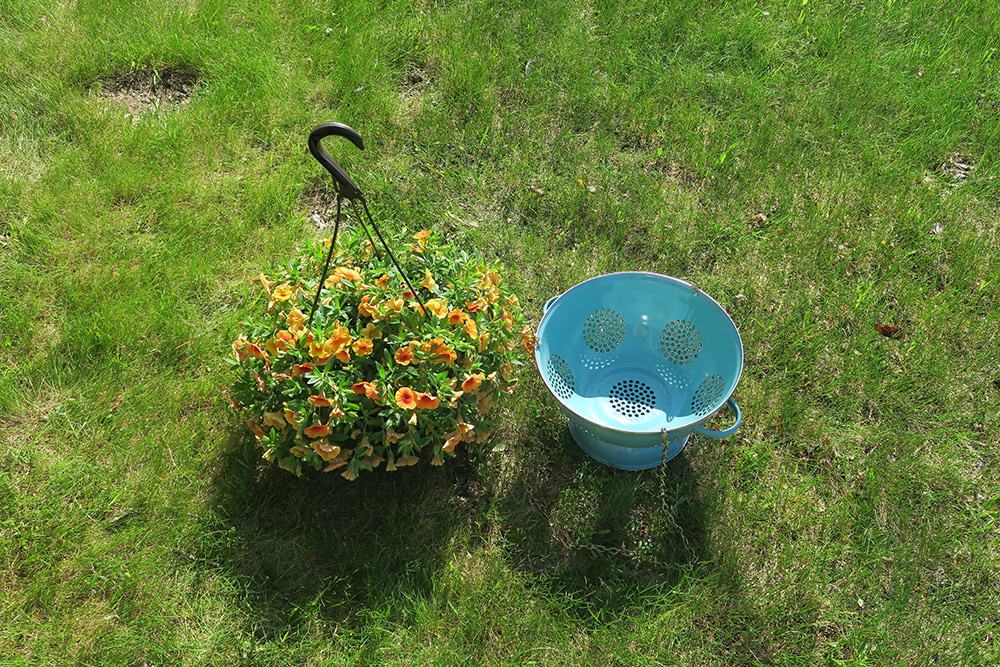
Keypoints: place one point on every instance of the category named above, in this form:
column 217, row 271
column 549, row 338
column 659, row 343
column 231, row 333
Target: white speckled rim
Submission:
column 691, row 424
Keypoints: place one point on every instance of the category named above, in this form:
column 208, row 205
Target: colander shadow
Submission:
column 599, row 535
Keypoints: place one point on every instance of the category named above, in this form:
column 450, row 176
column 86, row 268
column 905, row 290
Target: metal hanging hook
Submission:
column 347, row 189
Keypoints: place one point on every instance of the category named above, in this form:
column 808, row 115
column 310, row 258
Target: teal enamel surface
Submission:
column 631, row 355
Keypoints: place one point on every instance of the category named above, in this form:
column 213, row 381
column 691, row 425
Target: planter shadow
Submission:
column 322, row 546
column 603, row 536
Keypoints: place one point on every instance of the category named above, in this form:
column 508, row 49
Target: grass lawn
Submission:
column 817, row 167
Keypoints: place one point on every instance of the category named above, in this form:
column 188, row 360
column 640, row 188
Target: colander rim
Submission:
column 566, row 407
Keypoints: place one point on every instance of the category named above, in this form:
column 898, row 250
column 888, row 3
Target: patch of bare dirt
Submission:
column 415, row 84
column 144, row 90
column 676, row 172
column 318, row 204
column 957, row 167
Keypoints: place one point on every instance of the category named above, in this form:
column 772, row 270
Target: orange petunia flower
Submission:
column 427, row 402
column 507, row 372
column 527, row 339
column 428, row 281
column 319, row 351
column 339, row 463
column 472, row 383
column 254, row 427
column 368, row 389
column 363, row 347
column 421, row 238
column 283, row 292
column 456, row 317
column 476, row 306
column 457, row 436
column 274, row 420
column 348, row 273
column 265, row 283
column 296, row 318
column 298, row 451
column 507, row 319
column 371, row 331
column 316, row 431
column 442, row 353
column 320, row 401
column 404, row 356
column 284, row 340
column 406, row 398
column 383, row 281
column 489, row 280
column 437, row 306
column 255, row 351
column 394, row 306
column 340, row 338
column 299, row 370
column 406, row 460
column 240, row 351
column 470, row 328
column 367, row 306
column 344, row 355
column 291, row 417
column 341, row 274
column 484, row 341
column 326, row 451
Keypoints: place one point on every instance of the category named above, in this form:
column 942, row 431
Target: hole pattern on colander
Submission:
column 672, row 378
column 561, row 377
column 680, row 342
column 707, row 394
column 603, row 330
column 593, row 362
column 632, row 398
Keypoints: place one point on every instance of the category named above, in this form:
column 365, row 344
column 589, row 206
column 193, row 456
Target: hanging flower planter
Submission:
column 372, row 351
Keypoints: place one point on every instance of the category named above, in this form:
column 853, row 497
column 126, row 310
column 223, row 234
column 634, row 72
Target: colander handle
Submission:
column 548, row 304
column 718, row 435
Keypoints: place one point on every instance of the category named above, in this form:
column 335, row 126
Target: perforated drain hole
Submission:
column 603, row 330
column 707, row 395
column 680, row 342
column 561, row 377
column 632, row 398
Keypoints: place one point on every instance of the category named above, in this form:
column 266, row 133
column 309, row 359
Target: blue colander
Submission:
column 638, row 362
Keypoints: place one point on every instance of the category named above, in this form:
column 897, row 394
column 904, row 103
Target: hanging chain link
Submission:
column 665, row 511
column 664, row 507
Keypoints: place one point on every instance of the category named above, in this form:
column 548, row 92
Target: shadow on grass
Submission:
column 601, row 536
column 323, row 547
